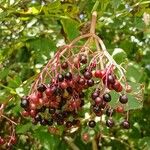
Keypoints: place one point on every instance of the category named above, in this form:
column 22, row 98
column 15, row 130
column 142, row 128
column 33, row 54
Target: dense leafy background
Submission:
column 31, row 31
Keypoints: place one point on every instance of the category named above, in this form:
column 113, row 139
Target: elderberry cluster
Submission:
column 60, row 101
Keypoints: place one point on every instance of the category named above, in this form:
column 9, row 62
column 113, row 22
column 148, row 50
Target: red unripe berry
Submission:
column 100, row 73
column 48, row 91
column 34, row 98
column 33, row 113
column 25, row 113
column 117, row 86
column 64, row 65
column 2, row 141
column 32, row 106
column 39, row 94
column 85, row 137
column 120, row 109
column 63, row 85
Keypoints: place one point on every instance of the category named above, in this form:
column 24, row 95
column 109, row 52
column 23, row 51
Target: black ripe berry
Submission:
column 123, row 99
column 92, row 123
column 83, row 59
column 96, row 109
column 107, row 97
column 88, row 75
column 94, row 95
column 38, row 118
column 43, row 122
column 109, row 123
column 111, row 78
column 125, row 124
column 109, row 112
column 68, row 76
column 52, row 110
column 90, row 82
column 41, row 87
column 64, row 65
column 68, row 124
column 60, row 77
column 24, row 103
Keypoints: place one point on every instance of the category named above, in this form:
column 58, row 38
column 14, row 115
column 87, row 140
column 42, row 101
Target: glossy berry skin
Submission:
column 88, row 75
column 38, row 118
column 125, row 124
column 110, row 123
column 100, row 73
column 123, row 99
column 60, row 77
column 111, row 79
column 68, row 76
column 94, row 95
column 24, row 103
column 81, row 81
column 92, row 123
column 83, row 59
column 109, row 112
column 107, row 97
column 117, row 86
column 68, row 124
column 120, row 109
column 90, row 82
column 41, row 87
column 64, row 65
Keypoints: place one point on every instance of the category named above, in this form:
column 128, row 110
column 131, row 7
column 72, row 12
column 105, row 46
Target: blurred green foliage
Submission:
column 31, row 31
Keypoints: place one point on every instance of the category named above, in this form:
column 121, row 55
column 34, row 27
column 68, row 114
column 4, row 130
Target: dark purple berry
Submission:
column 24, row 103
column 68, row 124
column 41, row 87
column 68, row 76
column 64, row 65
column 96, row 109
column 43, row 122
column 81, row 95
column 50, row 122
column 83, row 59
column 90, row 82
column 125, row 124
column 60, row 78
column 123, row 99
column 81, row 81
column 109, row 112
column 92, row 123
column 38, row 118
column 107, row 97
column 111, row 79
column 69, row 90
column 88, row 75
column 110, row 123
column 52, row 110
column 94, row 95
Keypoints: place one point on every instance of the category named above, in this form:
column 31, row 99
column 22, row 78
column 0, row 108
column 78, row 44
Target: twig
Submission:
column 69, row 141
column 94, row 144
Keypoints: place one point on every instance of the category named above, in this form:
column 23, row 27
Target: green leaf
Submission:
column 119, row 55
column 134, row 72
column 70, row 28
column 49, row 142
column 22, row 128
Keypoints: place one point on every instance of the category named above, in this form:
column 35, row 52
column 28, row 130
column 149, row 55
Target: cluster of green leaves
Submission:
column 31, row 31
